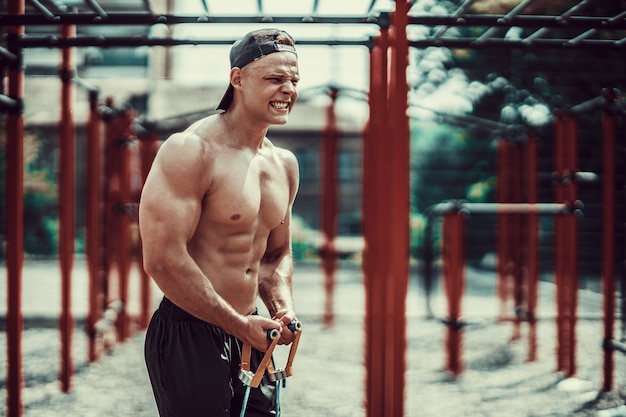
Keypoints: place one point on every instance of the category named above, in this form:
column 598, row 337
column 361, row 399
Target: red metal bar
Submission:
column 532, row 245
column 386, row 221
column 330, row 206
column 571, row 195
column 93, row 218
column 125, row 212
column 67, row 174
column 111, row 192
column 454, row 281
column 14, row 163
column 609, row 124
column 116, row 130
column 566, row 243
column 559, row 242
column 399, row 212
column 376, row 248
column 516, row 244
column 503, row 194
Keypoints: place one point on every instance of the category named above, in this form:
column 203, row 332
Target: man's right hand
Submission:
column 256, row 332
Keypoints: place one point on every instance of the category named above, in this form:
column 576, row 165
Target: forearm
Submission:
column 275, row 285
column 184, row 283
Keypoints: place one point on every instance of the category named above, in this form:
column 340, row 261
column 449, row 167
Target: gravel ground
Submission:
column 329, row 374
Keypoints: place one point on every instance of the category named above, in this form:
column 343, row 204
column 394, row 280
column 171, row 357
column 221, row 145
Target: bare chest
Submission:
column 248, row 193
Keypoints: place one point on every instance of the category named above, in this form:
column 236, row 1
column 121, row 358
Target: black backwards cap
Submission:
column 251, row 47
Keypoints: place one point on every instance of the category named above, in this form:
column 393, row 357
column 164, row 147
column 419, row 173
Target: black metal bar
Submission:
column 588, row 106
column 136, row 41
column 515, row 208
column 494, row 208
column 369, row 8
column 316, row 4
column 471, row 43
column 484, row 20
column 205, row 7
column 492, row 31
column 59, row 7
column 516, row 11
column 535, row 35
column 619, row 17
column 93, row 4
column 525, row 21
column 573, row 10
column 617, row 345
column 9, row 104
column 467, row 120
column 147, row 4
column 586, row 34
column 43, row 9
column 457, row 14
column 8, row 57
column 562, row 18
column 148, row 19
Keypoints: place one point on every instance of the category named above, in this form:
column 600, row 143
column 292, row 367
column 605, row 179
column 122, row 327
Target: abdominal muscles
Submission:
column 231, row 263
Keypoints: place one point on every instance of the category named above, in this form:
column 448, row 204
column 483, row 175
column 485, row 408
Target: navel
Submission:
column 235, row 217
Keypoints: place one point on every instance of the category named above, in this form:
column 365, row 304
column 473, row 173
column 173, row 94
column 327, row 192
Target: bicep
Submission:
column 169, row 211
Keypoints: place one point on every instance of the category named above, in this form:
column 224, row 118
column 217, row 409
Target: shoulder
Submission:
column 188, row 150
column 185, row 162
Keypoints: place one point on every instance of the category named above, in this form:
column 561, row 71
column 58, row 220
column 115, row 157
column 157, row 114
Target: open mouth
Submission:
column 280, row 105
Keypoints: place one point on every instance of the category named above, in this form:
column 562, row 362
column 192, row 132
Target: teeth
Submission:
column 279, row 105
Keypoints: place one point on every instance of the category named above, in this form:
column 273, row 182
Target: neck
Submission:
column 242, row 130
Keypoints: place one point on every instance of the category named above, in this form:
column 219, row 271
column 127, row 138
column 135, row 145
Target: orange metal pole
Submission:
column 608, row 248
column 94, row 215
column 14, row 165
column 330, row 206
column 67, row 174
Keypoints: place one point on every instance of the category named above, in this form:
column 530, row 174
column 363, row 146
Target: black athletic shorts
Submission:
column 194, row 366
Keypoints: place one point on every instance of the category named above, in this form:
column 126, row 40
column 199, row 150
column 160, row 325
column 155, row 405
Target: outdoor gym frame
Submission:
column 517, row 216
column 385, row 157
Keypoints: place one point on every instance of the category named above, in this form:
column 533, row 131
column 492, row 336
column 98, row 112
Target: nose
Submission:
column 289, row 88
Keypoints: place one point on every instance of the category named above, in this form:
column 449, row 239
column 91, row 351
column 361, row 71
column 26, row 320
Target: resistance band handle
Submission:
column 294, row 326
column 272, row 334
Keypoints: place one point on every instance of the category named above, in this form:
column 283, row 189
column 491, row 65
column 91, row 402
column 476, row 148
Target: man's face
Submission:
column 269, row 86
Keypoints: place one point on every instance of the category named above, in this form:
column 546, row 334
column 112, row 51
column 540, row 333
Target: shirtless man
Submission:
column 215, row 218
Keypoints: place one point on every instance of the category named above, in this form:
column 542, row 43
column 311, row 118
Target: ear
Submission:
column 235, row 77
